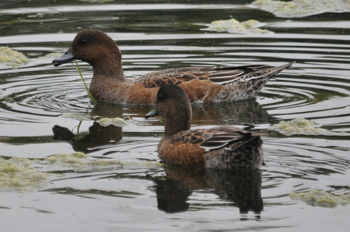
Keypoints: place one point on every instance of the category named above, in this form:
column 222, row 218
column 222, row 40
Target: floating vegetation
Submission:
column 12, row 58
column 79, row 117
column 301, row 8
column 21, row 174
column 16, row 173
column 118, row 122
column 322, row 198
column 48, row 56
column 234, row 26
column 79, row 160
column 11, row 22
column 299, row 126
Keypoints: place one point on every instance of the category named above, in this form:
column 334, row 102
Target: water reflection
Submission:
column 98, row 136
column 248, row 112
column 242, row 188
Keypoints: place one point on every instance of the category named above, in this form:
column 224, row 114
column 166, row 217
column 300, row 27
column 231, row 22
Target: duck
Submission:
column 222, row 147
column 201, row 84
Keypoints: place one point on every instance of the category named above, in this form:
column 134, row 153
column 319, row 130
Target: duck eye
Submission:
column 82, row 42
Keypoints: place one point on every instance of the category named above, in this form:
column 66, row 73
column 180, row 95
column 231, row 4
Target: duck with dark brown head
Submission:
column 201, row 84
column 219, row 147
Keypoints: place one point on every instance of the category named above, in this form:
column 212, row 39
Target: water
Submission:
column 138, row 193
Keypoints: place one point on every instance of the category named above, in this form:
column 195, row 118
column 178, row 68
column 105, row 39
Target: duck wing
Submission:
column 227, row 75
column 175, row 76
column 219, row 75
column 222, row 137
column 212, row 139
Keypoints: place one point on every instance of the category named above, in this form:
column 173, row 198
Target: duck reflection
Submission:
column 241, row 187
column 98, row 136
column 248, row 112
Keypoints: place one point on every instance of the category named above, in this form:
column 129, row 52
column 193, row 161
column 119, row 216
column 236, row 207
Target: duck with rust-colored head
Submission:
column 201, row 84
column 220, row 147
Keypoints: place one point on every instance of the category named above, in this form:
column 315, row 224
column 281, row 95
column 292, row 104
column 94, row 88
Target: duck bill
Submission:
column 65, row 58
column 151, row 113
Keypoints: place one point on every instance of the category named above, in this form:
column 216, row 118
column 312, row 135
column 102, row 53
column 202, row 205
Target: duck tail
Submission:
column 248, row 155
column 251, row 83
column 278, row 69
column 267, row 73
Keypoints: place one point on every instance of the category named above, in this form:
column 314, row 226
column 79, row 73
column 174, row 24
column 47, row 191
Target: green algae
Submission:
column 103, row 121
column 77, row 116
column 118, row 122
column 12, row 58
column 301, row 8
column 11, row 22
column 16, row 173
column 22, row 174
column 79, row 160
column 322, row 198
column 299, row 126
column 234, row 26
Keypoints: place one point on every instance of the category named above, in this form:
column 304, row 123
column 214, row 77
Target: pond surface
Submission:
column 118, row 183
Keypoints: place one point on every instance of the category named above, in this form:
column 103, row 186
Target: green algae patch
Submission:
column 48, row 56
column 79, row 117
column 16, row 173
column 299, row 126
column 21, row 174
column 322, row 198
column 234, row 26
column 79, row 160
column 301, row 8
column 11, row 22
column 12, row 58
column 118, row 122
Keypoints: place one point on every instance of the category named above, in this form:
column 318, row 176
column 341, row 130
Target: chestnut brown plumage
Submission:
column 201, row 84
column 220, row 147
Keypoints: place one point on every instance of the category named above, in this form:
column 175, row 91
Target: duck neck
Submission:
column 175, row 123
column 110, row 66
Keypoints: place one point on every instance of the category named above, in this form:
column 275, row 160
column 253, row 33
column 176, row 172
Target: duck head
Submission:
column 96, row 48
column 173, row 105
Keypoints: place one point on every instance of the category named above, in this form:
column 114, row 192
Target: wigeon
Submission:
column 219, row 147
column 201, row 84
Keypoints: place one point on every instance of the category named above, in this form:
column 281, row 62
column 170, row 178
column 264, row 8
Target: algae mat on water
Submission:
column 301, row 8
column 234, row 26
column 12, row 58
